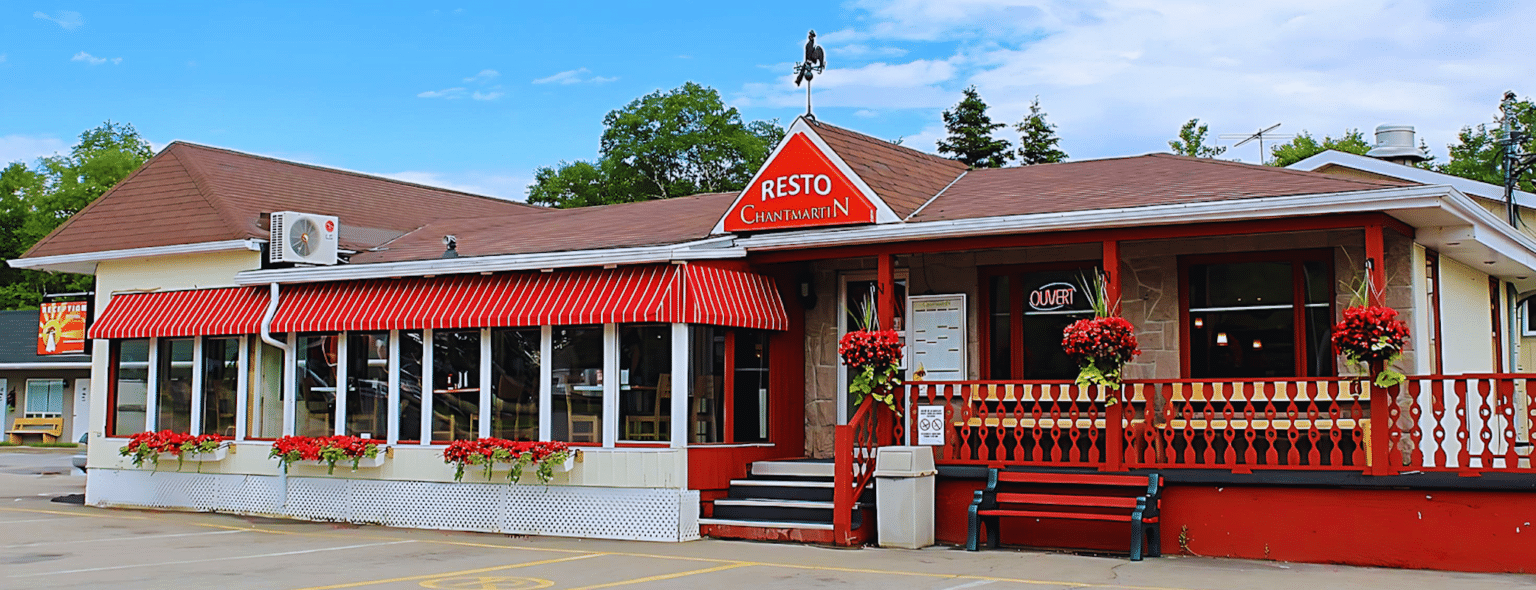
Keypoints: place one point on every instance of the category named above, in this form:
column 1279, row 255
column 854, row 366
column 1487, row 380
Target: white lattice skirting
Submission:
column 643, row 514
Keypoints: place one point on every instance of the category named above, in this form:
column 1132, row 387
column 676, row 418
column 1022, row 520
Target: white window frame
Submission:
column 843, row 278
column 27, row 402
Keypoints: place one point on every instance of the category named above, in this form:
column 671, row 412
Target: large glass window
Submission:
column 515, row 383
column 45, row 398
column 577, row 367
column 316, row 404
column 1261, row 315
column 645, row 382
column 173, row 396
column 706, row 400
column 221, row 375
column 411, row 348
column 750, row 385
column 368, row 384
column 264, row 391
column 1028, row 307
column 130, row 387
column 735, row 362
column 455, row 385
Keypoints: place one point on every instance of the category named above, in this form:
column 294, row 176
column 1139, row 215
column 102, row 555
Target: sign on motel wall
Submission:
column 800, row 187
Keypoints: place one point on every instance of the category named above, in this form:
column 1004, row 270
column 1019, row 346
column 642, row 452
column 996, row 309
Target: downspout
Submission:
column 266, row 336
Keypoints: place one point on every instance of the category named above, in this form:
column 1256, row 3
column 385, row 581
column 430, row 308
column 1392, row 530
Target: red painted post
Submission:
column 1375, row 265
column 886, row 303
column 1375, row 293
column 1114, row 412
column 1111, row 265
column 842, row 479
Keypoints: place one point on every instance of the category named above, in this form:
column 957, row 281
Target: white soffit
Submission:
column 85, row 262
column 1409, row 173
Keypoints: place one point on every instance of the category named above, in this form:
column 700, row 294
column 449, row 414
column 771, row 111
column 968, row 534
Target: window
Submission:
column 130, row 387
column 1028, row 307
column 368, row 384
column 411, row 348
column 750, row 385
column 455, row 385
column 45, row 398
column 645, row 382
column 515, row 364
column 860, row 290
column 315, row 411
column 577, row 364
column 173, row 391
column 1259, row 315
column 729, row 360
column 221, row 377
column 264, row 395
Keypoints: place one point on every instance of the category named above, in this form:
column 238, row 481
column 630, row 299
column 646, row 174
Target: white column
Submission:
column 290, row 385
column 427, row 368
column 197, row 386
column 243, row 384
column 485, row 383
column 546, row 382
column 610, row 384
column 340, row 419
column 682, row 383
column 152, row 398
column 394, row 388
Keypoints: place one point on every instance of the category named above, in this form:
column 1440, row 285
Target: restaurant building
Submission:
column 688, row 347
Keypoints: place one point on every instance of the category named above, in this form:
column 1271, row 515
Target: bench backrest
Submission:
column 1150, row 482
column 39, row 424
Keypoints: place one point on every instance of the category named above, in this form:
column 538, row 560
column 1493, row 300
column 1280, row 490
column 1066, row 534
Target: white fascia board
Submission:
column 66, row 366
column 709, row 249
column 85, row 262
column 883, row 212
column 1467, row 186
column 1416, row 197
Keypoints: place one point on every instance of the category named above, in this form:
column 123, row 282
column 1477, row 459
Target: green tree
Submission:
column 1478, row 155
column 970, row 134
column 1304, row 146
column 1037, row 139
column 661, row 145
column 35, row 201
column 1191, row 141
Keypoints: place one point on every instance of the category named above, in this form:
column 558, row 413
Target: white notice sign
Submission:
column 930, row 425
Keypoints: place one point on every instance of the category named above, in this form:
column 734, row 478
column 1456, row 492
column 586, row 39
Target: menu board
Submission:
column 936, row 337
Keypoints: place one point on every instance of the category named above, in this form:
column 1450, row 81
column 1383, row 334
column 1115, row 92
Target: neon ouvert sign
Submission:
column 800, row 187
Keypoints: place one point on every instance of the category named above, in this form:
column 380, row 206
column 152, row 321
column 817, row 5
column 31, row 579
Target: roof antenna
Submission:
column 815, row 62
column 1259, row 135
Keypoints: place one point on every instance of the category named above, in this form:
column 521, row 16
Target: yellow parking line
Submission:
column 451, row 574
column 658, row 578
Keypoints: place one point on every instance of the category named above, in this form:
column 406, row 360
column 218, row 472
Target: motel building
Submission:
column 688, row 347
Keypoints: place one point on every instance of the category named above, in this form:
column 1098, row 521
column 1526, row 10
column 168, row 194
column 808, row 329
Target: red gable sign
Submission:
column 800, row 187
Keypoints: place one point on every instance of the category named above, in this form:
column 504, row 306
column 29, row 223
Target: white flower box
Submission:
column 213, row 456
column 373, row 462
column 529, row 469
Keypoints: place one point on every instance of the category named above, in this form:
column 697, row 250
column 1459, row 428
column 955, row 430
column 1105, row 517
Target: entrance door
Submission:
column 82, row 412
column 855, row 291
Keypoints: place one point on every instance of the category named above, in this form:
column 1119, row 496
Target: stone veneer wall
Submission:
column 1149, row 299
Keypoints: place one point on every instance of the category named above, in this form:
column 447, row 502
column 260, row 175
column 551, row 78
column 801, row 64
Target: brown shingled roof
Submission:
column 902, row 177
column 190, row 193
column 625, row 225
column 1138, row 181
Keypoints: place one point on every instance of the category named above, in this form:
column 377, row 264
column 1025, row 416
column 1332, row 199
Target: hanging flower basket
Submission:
column 362, row 453
column 875, row 356
column 1100, row 345
column 1372, row 334
column 546, row 458
column 166, row 445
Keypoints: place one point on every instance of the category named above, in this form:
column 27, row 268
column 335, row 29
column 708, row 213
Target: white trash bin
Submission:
column 904, row 479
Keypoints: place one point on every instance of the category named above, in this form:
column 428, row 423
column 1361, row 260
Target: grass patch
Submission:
column 54, row 445
column 8, row 444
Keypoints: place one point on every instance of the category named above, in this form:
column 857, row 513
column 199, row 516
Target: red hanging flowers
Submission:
column 1372, row 334
column 1101, row 346
column 327, row 449
column 149, row 445
column 488, row 452
column 875, row 355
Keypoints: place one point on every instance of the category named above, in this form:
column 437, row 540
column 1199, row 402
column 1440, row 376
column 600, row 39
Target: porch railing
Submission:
column 1452, row 423
column 871, row 427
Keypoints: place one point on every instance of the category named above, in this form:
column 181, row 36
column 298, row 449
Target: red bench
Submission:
column 1079, row 496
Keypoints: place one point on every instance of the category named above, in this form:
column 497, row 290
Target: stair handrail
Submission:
column 855, row 445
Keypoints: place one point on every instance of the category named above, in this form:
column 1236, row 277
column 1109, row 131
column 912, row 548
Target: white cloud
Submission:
column 484, row 75
column 93, row 60
column 576, row 76
column 1119, row 76
column 26, row 148
column 503, row 186
column 2, row 58
column 68, row 19
column 486, row 95
column 449, row 93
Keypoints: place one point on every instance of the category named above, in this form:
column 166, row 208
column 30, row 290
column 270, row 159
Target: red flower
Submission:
column 1370, row 334
column 862, row 348
column 1108, row 340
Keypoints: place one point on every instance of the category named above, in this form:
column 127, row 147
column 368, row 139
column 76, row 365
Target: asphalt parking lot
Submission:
column 47, row 544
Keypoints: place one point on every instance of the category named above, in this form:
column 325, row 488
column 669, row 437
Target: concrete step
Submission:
column 793, row 469
column 768, row 524
column 772, row 503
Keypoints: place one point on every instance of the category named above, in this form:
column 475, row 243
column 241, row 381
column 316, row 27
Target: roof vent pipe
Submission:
column 1394, row 143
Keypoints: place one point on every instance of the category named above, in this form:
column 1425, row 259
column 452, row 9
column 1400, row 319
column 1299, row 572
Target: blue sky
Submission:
column 476, row 96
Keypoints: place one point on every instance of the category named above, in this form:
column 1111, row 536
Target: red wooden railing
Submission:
column 856, row 442
column 1470, row 424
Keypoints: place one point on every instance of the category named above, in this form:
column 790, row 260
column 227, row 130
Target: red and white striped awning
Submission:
column 235, row 310
column 653, row 293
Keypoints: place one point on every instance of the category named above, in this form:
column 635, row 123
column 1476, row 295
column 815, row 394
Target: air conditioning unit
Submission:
column 303, row 237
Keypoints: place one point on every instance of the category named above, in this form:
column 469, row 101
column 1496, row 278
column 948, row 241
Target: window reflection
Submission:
column 577, row 371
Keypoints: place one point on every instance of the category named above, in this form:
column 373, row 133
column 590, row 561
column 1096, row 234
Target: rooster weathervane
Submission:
column 815, row 62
